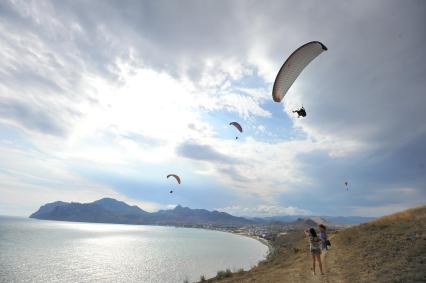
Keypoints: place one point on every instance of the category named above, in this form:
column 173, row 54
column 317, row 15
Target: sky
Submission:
column 105, row 98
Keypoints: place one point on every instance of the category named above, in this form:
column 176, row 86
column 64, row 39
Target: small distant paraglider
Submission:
column 347, row 185
column 238, row 126
column 176, row 177
column 291, row 69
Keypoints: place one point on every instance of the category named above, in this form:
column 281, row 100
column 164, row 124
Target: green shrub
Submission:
column 220, row 274
column 224, row 274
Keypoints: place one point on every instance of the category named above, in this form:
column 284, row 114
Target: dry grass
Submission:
column 412, row 214
column 286, row 263
column 389, row 249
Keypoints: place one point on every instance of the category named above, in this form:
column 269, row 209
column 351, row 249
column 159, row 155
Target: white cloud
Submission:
column 265, row 210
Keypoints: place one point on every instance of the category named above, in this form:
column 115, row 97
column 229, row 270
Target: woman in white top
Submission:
column 314, row 248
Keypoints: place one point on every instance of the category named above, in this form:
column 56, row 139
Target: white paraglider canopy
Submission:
column 293, row 66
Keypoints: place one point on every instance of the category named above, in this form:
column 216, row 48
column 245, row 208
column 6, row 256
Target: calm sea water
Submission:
column 50, row 251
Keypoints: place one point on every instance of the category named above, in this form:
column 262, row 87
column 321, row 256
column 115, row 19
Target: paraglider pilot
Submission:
column 301, row 112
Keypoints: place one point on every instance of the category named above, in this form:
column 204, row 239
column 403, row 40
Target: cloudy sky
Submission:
column 105, row 98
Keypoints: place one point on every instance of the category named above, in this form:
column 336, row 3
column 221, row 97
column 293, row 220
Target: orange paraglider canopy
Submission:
column 175, row 176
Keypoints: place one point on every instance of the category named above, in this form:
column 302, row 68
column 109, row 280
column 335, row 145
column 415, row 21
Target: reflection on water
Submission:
column 48, row 251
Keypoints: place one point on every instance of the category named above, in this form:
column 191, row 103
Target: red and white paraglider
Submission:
column 176, row 177
column 238, row 126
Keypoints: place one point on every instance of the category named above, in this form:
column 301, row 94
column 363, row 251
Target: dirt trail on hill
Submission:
column 331, row 268
column 293, row 267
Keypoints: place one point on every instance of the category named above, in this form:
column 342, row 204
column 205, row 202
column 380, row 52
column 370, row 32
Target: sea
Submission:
column 54, row 251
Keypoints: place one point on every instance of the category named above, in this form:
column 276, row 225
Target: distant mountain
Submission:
column 186, row 216
column 303, row 223
column 282, row 218
column 119, row 207
column 348, row 219
column 47, row 209
column 108, row 210
column 342, row 220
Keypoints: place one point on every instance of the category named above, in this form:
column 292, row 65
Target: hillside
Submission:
column 339, row 220
column 187, row 216
column 389, row 249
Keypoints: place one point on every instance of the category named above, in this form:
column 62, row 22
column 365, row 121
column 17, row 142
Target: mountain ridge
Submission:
column 108, row 210
column 342, row 220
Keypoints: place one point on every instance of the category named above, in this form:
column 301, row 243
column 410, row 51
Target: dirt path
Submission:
column 293, row 265
column 331, row 267
column 295, row 268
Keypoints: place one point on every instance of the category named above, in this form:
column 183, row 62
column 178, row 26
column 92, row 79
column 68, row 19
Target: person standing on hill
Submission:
column 323, row 237
column 314, row 248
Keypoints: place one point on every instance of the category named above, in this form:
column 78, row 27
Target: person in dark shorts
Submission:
column 314, row 248
column 323, row 237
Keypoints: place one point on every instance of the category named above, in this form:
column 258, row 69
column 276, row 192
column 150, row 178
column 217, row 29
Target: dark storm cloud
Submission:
column 369, row 86
column 380, row 178
column 202, row 152
column 31, row 117
column 226, row 165
column 170, row 36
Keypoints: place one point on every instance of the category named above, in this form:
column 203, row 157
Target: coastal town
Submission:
column 267, row 230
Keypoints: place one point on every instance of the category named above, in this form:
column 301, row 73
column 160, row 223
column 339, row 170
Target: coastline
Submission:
column 265, row 242
column 262, row 240
column 284, row 251
column 260, row 262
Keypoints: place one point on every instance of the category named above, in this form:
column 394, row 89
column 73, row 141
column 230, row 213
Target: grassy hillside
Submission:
column 389, row 249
